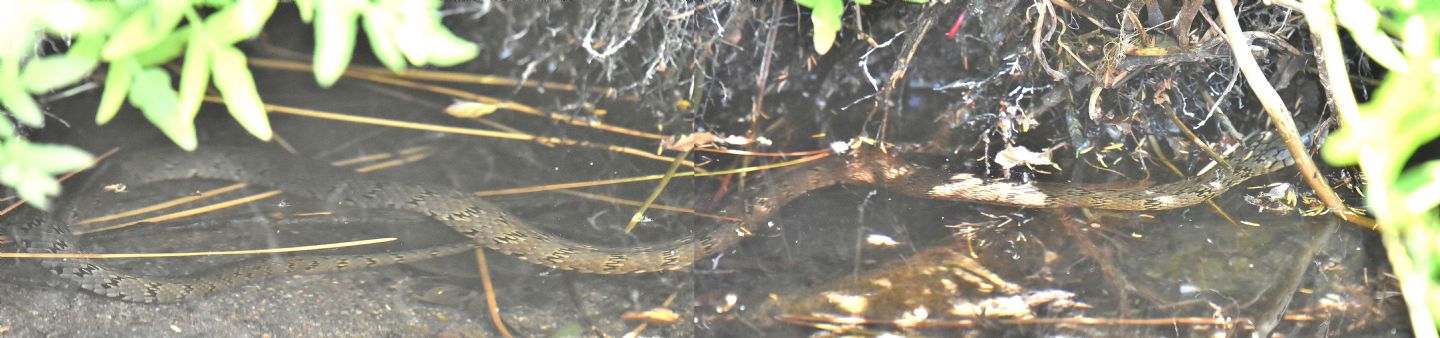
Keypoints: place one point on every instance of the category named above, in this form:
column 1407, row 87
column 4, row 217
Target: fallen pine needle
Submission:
column 490, row 303
column 448, row 129
column 166, row 204
column 192, row 254
column 379, row 156
column 550, row 187
column 621, row 201
column 188, row 213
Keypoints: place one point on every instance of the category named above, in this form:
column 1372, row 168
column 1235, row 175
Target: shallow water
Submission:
column 1141, row 274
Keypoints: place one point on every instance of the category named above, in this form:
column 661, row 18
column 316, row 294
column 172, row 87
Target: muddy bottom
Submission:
column 386, row 302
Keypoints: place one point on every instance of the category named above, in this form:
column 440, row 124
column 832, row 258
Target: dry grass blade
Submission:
column 670, row 300
column 633, row 203
column 449, row 130
column 990, row 322
column 387, row 122
column 187, row 213
column 380, row 156
column 464, row 95
column 669, row 173
column 550, row 187
column 615, row 149
column 763, row 154
column 1163, row 158
column 166, row 204
column 412, row 152
column 202, row 253
column 442, row 76
column 395, row 162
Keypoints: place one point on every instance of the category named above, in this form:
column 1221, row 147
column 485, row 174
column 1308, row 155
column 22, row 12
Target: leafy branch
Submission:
column 1383, row 134
column 135, row 38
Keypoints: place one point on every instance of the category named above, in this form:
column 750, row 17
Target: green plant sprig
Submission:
column 1387, row 131
column 134, row 38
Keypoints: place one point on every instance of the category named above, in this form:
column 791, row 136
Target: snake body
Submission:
column 490, row 226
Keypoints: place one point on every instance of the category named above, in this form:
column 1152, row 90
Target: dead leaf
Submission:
column 1017, row 155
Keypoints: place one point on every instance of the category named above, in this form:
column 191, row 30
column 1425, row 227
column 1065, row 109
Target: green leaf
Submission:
column 7, row 129
column 32, row 186
column 411, row 36
column 22, row 106
column 165, row 50
column 1363, row 22
column 69, row 17
column 15, row 98
column 232, row 77
column 422, row 39
column 143, row 29
column 49, row 159
column 153, row 95
column 239, row 21
column 1342, row 147
column 168, row 14
column 17, row 33
column 826, row 19
column 194, row 74
column 306, row 8
column 213, row 3
column 446, row 49
column 117, row 85
column 29, row 167
column 1421, row 187
column 47, row 73
column 379, row 21
column 50, row 72
column 334, row 39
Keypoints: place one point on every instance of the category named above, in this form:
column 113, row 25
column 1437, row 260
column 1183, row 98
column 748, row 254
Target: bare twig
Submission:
column 902, row 66
column 490, row 302
column 1332, row 61
column 757, row 110
column 664, row 181
column 1183, row 18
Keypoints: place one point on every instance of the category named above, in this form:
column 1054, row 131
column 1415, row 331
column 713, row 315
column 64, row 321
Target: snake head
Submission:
column 1270, row 148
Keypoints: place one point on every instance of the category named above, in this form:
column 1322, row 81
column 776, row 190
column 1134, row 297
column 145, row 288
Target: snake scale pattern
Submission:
column 490, row 226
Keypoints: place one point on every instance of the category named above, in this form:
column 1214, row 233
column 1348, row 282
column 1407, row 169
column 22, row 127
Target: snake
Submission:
column 488, row 225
